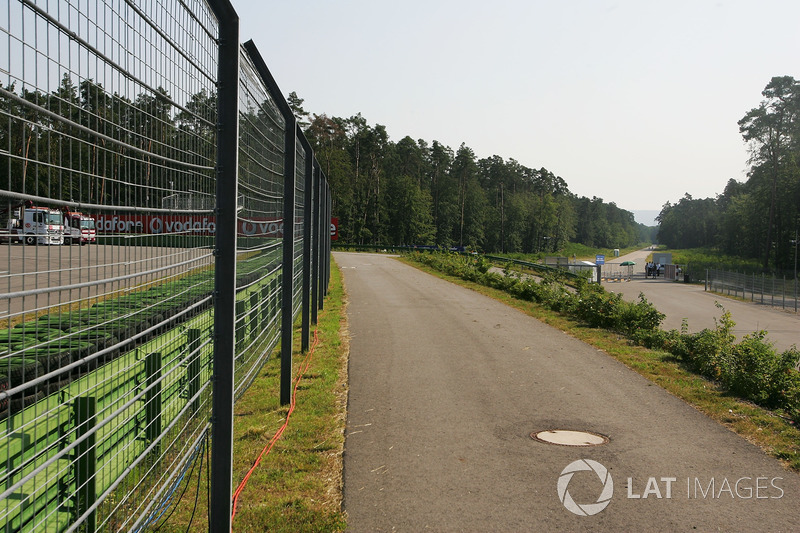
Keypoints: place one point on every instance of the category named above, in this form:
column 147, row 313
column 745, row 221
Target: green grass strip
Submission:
column 297, row 486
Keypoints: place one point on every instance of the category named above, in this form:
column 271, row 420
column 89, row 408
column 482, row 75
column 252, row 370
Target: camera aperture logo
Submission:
column 585, row 509
column 697, row 488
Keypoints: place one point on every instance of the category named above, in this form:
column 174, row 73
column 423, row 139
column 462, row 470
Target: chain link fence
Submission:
column 144, row 236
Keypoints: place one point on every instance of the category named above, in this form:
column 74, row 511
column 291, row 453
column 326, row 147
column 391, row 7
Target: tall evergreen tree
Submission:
column 769, row 129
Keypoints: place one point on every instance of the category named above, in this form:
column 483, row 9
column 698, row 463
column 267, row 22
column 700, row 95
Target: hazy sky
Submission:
column 633, row 101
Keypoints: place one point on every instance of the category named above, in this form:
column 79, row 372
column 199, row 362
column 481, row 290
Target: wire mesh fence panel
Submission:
column 261, row 224
column 298, row 228
column 757, row 288
column 107, row 139
column 108, row 213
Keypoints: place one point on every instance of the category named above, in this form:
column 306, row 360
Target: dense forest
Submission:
column 760, row 217
column 384, row 192
column 417, row 192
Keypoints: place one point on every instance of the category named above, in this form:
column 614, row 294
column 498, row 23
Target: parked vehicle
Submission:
column 32, row 224
column 78, row 228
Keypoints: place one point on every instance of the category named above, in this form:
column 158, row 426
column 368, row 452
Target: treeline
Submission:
column 418, row 192
column 80, row 143
column 760, row 217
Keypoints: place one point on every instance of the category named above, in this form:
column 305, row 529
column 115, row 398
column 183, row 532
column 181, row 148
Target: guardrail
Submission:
column 570, row 271
column 119, row 359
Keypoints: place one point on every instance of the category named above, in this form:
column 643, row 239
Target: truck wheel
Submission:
column 30, row 240
column 68, row 241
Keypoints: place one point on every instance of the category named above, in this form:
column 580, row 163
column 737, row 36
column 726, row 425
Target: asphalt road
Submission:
column 682, row 301
column 97, row 268
column 446, row 387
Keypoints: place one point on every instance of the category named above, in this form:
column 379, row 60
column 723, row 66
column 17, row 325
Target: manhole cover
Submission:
column 566, row 437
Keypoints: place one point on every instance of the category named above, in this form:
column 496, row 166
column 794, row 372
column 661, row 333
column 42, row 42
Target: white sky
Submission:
column 633, row 101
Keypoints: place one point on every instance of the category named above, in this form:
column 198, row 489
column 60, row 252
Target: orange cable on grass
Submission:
column 303, row 369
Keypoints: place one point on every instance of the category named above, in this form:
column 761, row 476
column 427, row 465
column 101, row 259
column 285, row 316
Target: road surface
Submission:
column 446, row 387
column 91, row 270
column 679, row 301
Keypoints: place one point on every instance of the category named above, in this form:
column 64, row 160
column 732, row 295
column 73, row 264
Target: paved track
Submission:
column 446, row 387
column 103, row 267
column 679, row 301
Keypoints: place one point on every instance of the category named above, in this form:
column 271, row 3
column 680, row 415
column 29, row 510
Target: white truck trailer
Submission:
column 79, row 228
column 32, row 224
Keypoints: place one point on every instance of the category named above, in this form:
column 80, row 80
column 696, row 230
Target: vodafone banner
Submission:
column 181, row 224
column 154, row 224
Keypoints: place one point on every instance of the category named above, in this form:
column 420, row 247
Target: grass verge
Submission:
column 776, row 435
column 297, row 487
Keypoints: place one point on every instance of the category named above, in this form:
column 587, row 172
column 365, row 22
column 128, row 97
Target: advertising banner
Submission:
column 193, row 225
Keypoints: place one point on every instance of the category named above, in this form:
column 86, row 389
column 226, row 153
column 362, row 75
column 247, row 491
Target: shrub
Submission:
column 708, row 350
column 786, row 391
column 482, row 264
column 752, row 368
column 790, row 394
column 597, row 307
column 638, row 316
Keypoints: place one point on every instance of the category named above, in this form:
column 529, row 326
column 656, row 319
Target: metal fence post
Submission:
column 193, row 367
column 324, row 248
column 307, row 224
column 225, row 269
column 152, row 398
column 287, row 288
column 315, row 220
column 327, row 240
column 84, row 409
column 289, row 169
column 772, row 295
column 324, row 232
column 287, row 267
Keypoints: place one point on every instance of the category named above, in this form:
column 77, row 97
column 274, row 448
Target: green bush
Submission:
column 752, row 368
column 641, row 316
column 787, row 391
column 597, row 307
column 482, row 264
column 708, row 351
